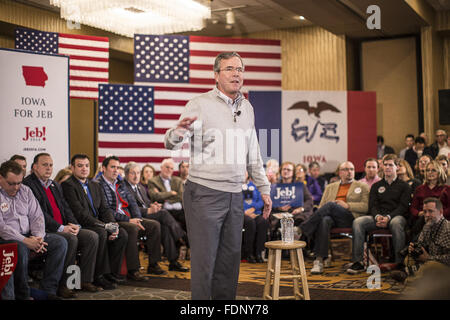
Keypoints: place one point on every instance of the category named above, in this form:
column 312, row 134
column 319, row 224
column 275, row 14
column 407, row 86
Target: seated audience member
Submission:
column 388, row 205
column 99, row 172
column 121, row 173
column 409, row 142
column 433, row 186
column 147, row 173
column 22, row 161
column 444, row 162
column 314, row 172
column 128, row 215
column 168, row 190
column 301, row 213
column 432, row 249
column 255, row 225
column 86, row 200
column 171, row 232
column 425, row 138
column 310, row 183
column 439, row 144
column 405, row 173
column 272, row 169
column 59, row 219
column 371, row 172
column 414, row 153
column 183, row 169
column 63, row 175
column 342, row 202
column 380, row 168
column 22, row 222
column 383, row 149
column 421, row 166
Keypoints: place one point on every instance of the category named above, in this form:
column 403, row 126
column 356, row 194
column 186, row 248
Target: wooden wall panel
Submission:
column 389, row 68
column 312, row 58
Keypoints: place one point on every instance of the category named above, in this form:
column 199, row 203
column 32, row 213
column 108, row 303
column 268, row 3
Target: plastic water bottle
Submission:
column 287, row 228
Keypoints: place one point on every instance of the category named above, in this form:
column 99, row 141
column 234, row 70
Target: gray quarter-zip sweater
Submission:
column 223, row 145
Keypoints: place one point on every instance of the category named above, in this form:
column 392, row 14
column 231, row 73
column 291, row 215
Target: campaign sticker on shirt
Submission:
column 358, row 190
column 4, row 207
column 381, row 189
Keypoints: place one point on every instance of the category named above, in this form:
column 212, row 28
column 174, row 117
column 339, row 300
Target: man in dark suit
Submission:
column 89, row 207
column 171, row 232
column 59, row 219
column 414, row 153
column 129, row 217
column 168, row 190
column 383, row 149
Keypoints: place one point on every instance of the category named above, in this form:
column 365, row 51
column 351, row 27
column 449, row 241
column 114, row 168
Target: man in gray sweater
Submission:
column 220, row 126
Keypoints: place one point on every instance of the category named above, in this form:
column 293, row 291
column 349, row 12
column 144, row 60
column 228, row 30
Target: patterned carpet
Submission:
column 253, row 275
column 333, row 284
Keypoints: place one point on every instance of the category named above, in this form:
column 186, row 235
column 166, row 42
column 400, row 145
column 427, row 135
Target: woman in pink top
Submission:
column 434, row 186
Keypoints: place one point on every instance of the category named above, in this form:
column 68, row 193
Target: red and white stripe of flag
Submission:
column 89, row 63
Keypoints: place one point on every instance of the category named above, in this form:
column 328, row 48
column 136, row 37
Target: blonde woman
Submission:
column 433, row 186
column 63, row 175
column 405, row 173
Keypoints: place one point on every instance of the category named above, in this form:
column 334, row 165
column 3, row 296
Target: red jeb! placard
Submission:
column 8, row 262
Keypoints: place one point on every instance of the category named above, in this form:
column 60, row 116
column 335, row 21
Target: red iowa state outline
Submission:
column 34, row 76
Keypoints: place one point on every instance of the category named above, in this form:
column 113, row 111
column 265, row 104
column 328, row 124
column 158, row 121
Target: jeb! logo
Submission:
column 34, row 134
column 285, row 193
column 7, row 263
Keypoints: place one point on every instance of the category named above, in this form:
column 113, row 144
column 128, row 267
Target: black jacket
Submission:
column 79, row 203
column 393, row 200
column 51, row 225
column 143, row 205
column 110, row 197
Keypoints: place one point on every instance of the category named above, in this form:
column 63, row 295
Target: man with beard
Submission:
column 432, row 250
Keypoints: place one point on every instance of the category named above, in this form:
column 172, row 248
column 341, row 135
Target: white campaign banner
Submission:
column 34, row 106
column 315, row 127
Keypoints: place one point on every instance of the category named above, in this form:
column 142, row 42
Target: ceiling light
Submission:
column 301, row 17
column 129, row 17
column 230, row 17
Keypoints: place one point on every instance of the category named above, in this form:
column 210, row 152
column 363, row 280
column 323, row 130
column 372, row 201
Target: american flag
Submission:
column 126, row 114
column 89, row 57
column 180, row 68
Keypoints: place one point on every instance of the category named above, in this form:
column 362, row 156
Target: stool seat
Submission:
column 285, row 245
column 273, row 273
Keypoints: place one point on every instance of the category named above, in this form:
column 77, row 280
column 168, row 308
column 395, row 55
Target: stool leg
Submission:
column 276, row 279
column 270, row 267
column 295, row 272
column 301, row 263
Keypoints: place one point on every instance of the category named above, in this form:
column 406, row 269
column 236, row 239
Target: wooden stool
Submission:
column 274, row 268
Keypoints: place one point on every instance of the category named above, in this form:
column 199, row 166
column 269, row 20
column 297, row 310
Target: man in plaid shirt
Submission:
column 434, row 241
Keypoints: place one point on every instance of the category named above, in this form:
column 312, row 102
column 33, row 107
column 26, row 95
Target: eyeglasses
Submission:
column 431, row 170
column 13, row 184
column 231, row 69
column 347, row 169
column 286, row 169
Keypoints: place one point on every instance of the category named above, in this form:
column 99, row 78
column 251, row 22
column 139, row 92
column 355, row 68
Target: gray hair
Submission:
column 167, row 160
column 225, row 56
column 130, row 165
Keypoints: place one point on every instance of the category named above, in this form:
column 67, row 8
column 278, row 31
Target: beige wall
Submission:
column 311, row 59
column 389, row 68
column 446, row 75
